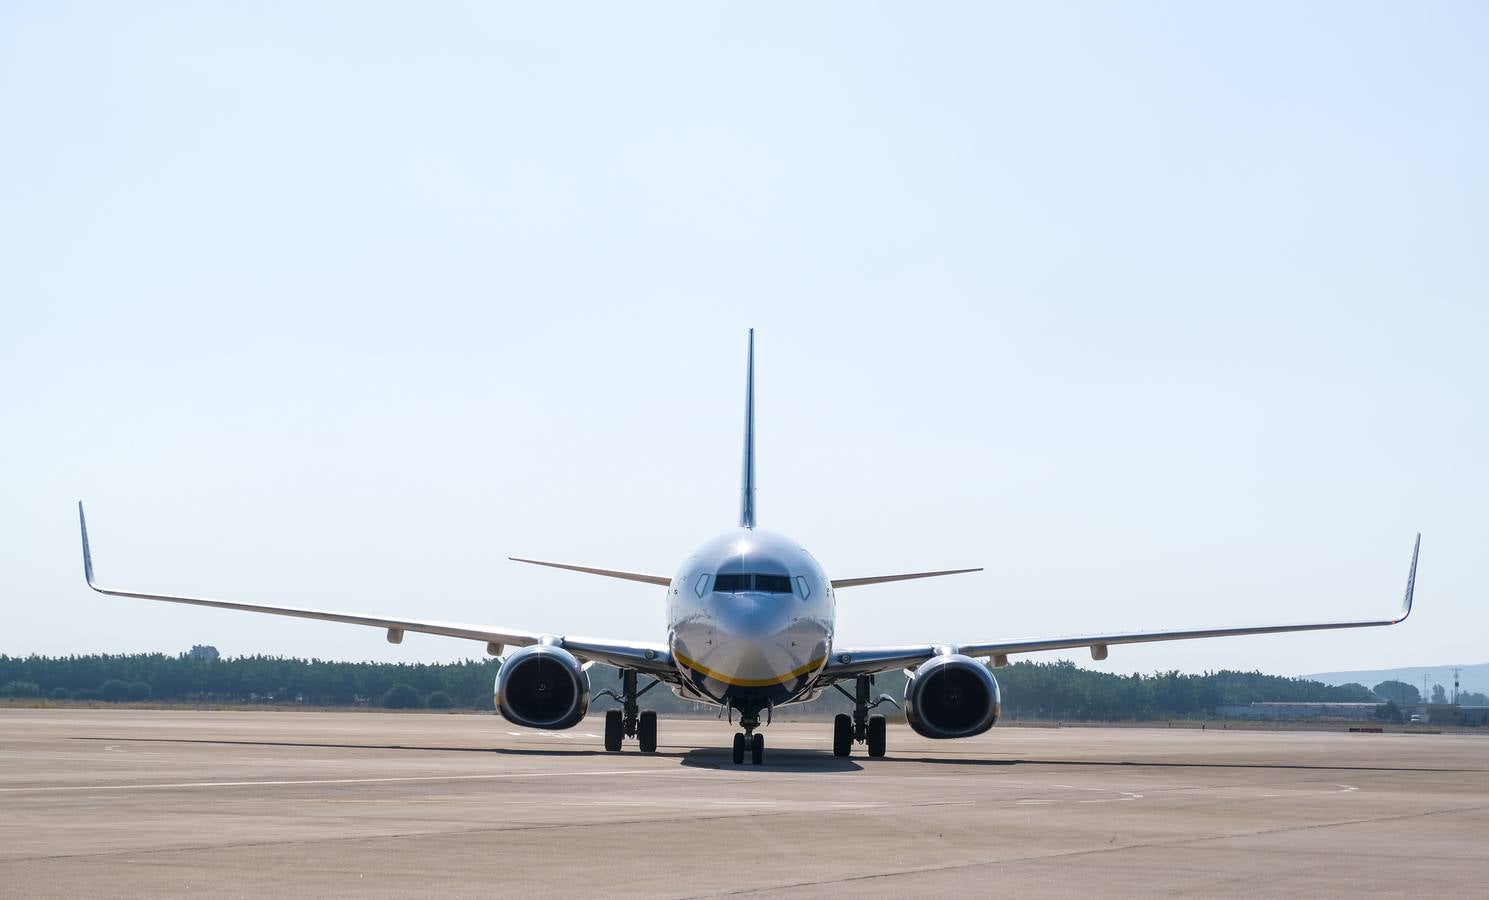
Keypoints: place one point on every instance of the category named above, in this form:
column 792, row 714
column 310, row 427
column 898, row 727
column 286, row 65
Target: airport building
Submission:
column 1447, row 714
column 1276, row 711
column 1424, row 713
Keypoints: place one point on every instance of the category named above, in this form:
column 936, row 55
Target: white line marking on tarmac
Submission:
column 405, row 778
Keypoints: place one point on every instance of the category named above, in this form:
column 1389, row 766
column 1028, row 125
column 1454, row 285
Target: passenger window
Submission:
column 806, row 589
column 701, row 587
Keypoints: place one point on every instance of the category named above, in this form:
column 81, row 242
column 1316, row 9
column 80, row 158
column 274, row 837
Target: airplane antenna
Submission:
column 747, row 479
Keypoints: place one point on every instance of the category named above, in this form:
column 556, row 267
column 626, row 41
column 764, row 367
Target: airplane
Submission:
column 751, row 627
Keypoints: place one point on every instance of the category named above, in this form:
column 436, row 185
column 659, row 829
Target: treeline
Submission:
column 247, row 679
column 1058, row 690
column 1063, row 690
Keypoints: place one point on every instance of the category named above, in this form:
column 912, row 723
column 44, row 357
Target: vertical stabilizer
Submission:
column 747, row 480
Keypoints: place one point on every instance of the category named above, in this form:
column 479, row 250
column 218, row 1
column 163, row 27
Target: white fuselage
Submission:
column 750, row 620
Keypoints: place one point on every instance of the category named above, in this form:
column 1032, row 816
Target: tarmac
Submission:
column 126, row 802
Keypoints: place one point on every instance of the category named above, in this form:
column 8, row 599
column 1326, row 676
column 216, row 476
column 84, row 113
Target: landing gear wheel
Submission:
column 842, row 734
column 646, row 731
column 615, row 729
column 876, row 739
column 757, row 749
column 739, row 748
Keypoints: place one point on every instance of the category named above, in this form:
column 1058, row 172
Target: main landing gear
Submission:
column 860, row 727
column 629, row 721
column 749, row 741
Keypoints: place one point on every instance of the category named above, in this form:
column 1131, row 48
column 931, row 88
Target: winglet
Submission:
column 747, row 479
column 1411, row 581
column 87, row 556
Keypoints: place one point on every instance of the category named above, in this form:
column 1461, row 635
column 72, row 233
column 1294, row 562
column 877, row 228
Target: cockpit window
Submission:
column 773, row 584
column 731, row 582
column 740, row 582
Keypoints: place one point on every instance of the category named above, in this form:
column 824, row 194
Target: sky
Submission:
column 1166, row 314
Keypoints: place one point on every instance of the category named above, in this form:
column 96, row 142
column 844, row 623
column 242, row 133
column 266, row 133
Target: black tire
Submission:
column 646, row 731
column 842, row 735
column 615, row 729
column 739, row 748
column 757, row 749
column 877, row 738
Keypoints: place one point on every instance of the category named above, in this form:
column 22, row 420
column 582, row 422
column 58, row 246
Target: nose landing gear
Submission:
column 860, row 727
column 630, row 721
column 749, row 741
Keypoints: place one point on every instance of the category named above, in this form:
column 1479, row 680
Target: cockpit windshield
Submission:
column 740, row 582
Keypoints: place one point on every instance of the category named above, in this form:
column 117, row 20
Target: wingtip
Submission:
column 87, row 554
column 1411, row 580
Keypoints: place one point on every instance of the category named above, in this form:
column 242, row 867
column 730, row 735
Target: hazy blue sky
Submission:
column 1167, row 315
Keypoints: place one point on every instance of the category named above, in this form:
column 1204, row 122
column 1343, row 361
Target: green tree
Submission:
column 401, row 696
column 20, row 689
column 1438, row 694
column 113, row 690
column 438, row 700
column 1397, row 692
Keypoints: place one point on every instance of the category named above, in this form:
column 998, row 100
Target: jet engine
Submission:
column 951, row 696
column 542, row 686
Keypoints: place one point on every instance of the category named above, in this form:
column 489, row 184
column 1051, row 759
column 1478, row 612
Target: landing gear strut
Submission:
column 749, row 740
column 629, row 720
column 860, row 727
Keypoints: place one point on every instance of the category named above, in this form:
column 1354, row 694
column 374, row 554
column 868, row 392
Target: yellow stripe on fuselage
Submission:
column 747, row 682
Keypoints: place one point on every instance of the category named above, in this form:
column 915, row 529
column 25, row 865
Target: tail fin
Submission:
column 747, row 481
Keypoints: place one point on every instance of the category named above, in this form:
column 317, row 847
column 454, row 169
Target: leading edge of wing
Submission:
column 846, row 662
column 882, row 579
column 641, row 655
column 662, row 580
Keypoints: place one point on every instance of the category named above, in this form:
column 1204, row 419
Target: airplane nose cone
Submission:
column 753, row 642
column 751, row 617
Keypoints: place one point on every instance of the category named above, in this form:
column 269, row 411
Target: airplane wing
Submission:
column 847, row 662
column 651, row 658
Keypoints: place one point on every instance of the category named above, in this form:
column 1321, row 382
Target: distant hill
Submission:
column 1473, row 678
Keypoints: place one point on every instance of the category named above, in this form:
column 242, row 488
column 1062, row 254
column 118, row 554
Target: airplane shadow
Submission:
column 301, row 744
column 313, row 745
column 775, row 761
column 1135, row 764
column 794, row 760
column 700, row 758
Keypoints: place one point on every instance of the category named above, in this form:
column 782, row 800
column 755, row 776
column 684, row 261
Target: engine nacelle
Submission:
column 542, row 687
column 951, row 696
